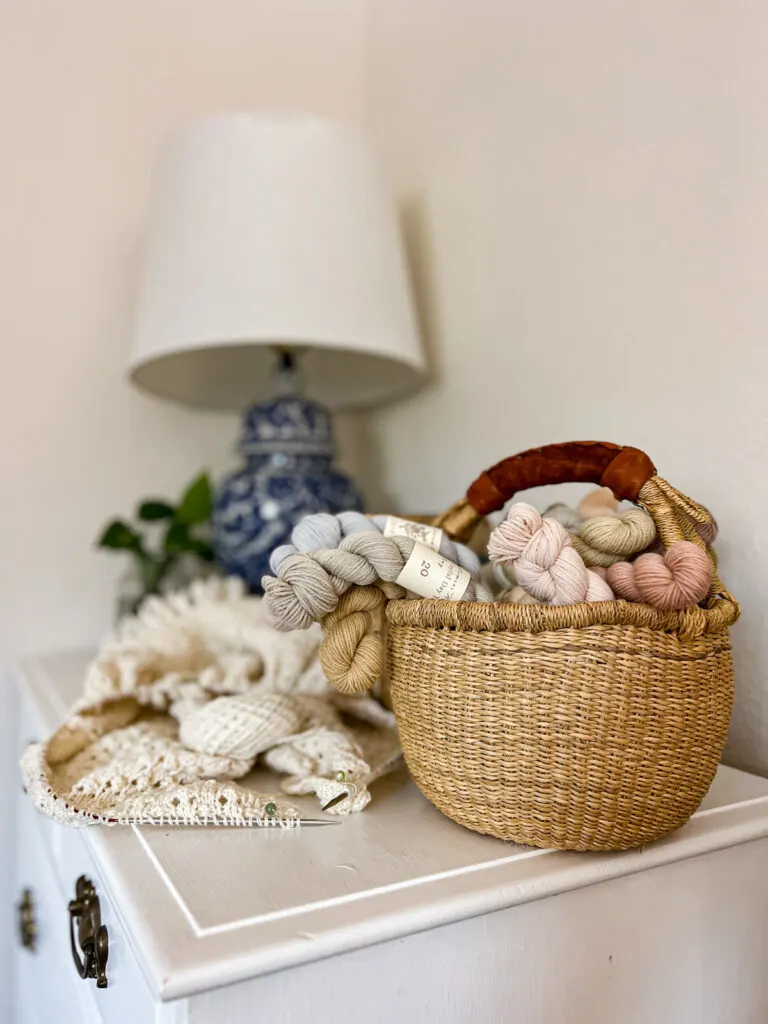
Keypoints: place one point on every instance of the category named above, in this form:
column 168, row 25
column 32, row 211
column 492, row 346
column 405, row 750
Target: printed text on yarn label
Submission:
column 430, row 574
column 432, row 536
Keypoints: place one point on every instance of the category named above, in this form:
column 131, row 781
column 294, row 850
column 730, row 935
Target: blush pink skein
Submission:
column 545, row 563
column 678, row 579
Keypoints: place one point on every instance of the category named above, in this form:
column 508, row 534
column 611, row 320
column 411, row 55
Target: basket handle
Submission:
column 622, row 468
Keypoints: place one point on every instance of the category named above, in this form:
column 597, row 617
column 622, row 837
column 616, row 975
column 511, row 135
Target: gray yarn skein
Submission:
column 566, row 516
column 309, row 584
column 323, row 530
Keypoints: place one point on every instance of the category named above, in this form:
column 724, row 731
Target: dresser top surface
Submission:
column 207, row 907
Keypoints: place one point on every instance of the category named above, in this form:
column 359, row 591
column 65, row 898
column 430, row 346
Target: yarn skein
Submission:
column 592, row 557
column 544, row 561
column 323, row 530
column 517, row 595
column 706, row 529
column 308, row 585
column 599, row 502
column 565, row 515
column 504, row 575
column 605, row 540
column 621, row 579
column 678, row 579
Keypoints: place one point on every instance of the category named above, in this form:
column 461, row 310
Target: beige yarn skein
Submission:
column 605, row 540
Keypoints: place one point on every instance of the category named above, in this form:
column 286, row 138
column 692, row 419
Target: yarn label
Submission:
column 432, row 536
column 430, row 574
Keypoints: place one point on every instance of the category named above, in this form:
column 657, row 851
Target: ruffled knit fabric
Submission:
column 183, row 701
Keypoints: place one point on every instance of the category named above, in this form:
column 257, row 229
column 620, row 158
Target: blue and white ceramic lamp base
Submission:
column 288, row 474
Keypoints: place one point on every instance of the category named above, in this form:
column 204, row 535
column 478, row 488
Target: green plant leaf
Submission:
column 201, row 548
column 155, row 509
column 177, row 539
column 196, row 503
column 118, row 536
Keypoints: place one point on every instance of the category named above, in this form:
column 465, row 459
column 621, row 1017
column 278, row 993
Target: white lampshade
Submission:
column 273, row 230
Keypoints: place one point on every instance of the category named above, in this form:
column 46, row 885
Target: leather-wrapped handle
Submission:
column 623, row 469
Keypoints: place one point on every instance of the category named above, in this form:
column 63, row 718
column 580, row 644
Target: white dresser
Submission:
column 395, row 915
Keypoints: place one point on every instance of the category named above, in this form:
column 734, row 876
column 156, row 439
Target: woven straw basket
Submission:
column 581, row 727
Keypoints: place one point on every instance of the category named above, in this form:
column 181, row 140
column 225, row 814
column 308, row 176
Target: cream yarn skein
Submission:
column 568, row 517
column 544, row 561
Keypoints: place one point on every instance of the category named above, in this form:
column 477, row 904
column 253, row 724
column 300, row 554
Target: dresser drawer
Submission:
column 127, row 999
column 50, row 858
column 47, row 987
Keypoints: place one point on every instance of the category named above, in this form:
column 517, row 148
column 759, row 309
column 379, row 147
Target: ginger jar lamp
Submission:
column 275, row 282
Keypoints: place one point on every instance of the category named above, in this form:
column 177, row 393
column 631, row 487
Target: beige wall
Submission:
column 87, row 90
column 586, row 189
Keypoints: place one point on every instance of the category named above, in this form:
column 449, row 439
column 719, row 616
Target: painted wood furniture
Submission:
column 397, row 914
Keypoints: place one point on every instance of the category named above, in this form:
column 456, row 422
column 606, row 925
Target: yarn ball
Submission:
column 678, row 579
column 599, row 502
column 544, row 561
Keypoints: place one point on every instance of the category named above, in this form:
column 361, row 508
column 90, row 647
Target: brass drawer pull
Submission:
column 92, row 936
column 27, row 924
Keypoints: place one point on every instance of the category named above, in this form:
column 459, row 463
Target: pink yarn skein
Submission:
column 707, row 531
column 675, row 580
column 545, row 563
column 600, row 502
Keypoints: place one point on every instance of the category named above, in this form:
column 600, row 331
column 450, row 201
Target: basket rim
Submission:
column 479, row 617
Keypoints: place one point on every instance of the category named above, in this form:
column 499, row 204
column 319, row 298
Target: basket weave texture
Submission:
column 599, row 737
column 582, row 727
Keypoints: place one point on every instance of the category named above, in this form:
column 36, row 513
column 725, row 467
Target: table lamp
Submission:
column 275, row 280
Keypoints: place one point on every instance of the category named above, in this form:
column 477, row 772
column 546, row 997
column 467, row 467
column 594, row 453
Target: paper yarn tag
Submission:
column 430, row 574
column 432, row 536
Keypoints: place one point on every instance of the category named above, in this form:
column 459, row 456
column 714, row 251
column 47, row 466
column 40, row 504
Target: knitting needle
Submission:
column 351, row 789
column 268, row 823
column 299, row 822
